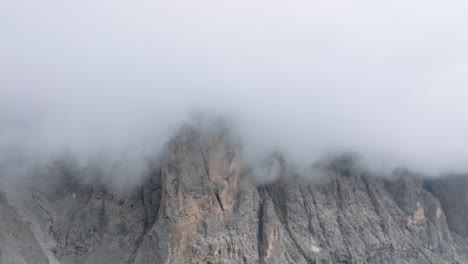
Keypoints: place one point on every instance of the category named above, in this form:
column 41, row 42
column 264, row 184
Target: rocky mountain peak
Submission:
column 198, row 204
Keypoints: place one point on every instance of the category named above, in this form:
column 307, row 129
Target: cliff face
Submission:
column 199, row 206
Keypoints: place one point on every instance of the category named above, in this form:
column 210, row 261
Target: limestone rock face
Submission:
column 199, row 205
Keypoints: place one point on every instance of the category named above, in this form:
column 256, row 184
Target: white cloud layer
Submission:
column 387, row 79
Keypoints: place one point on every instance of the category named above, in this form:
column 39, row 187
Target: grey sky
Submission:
column 387, row 79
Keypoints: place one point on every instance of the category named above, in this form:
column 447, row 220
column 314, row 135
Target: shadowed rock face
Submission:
column 453, row 196
column 199, row 206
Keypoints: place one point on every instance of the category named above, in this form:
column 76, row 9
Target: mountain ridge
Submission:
column 198, row 204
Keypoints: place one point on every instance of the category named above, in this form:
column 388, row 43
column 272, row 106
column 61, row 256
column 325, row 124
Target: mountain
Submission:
column 199, row 204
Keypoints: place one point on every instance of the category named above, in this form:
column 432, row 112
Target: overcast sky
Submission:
column 387, row 79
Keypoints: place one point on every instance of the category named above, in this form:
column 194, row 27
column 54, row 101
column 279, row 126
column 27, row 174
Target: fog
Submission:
column 113, row 80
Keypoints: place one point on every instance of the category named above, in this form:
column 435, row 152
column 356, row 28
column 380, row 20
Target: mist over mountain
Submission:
column 147, row 132
column 114, row 79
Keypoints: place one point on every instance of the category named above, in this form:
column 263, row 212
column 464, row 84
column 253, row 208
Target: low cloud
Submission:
column 113, row 80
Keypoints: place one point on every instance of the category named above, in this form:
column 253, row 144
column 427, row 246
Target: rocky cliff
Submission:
column 199, row 205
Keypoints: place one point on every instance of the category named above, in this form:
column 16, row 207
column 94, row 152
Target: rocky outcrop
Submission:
column 199, row 205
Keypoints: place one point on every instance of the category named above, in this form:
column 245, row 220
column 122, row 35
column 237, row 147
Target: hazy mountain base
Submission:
column 200, row 206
